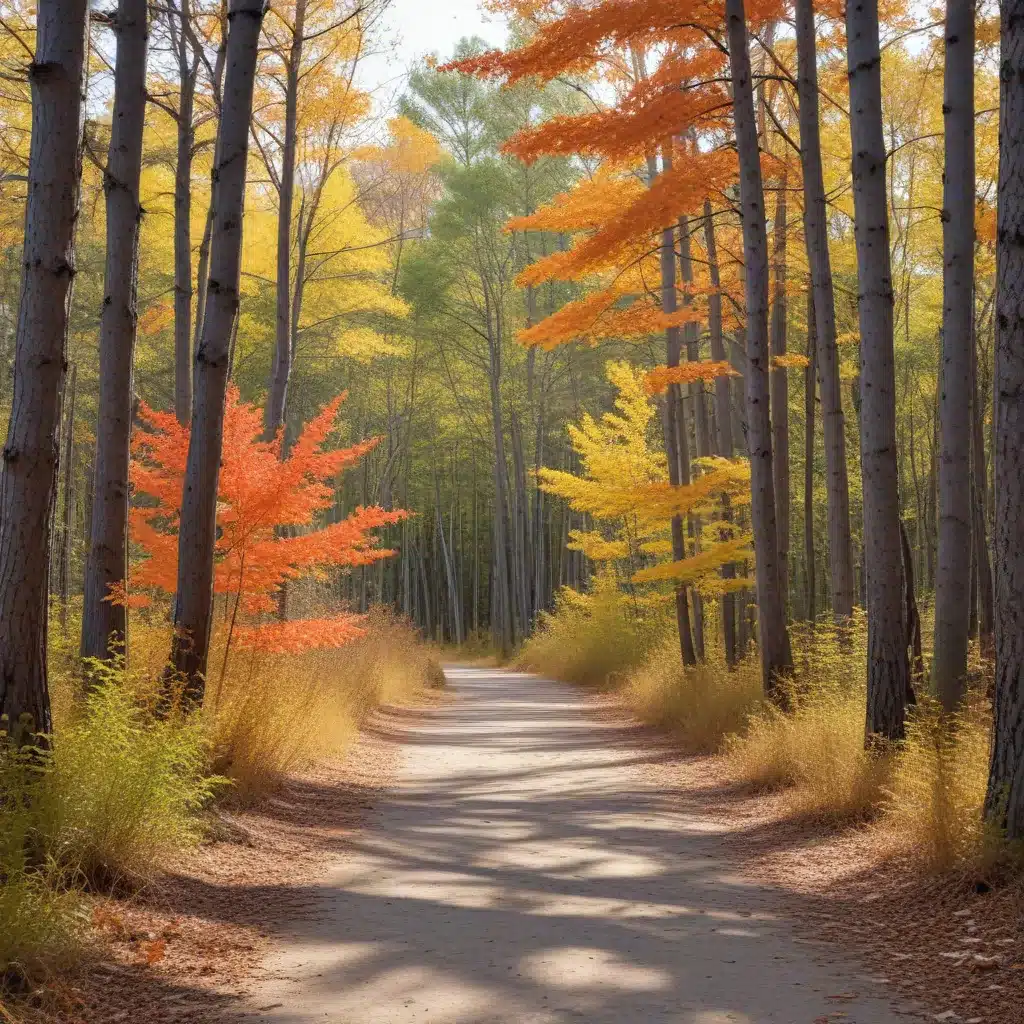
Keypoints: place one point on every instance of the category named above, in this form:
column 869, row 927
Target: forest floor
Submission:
column 524, row 853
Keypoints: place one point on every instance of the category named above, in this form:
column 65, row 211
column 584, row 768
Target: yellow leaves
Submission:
column 596, row 547
column 659, row 379
column 790, row 361
column 698, row 566
column 156, row 318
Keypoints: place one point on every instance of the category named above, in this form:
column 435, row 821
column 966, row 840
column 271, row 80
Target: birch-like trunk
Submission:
column 30, row 457
column 953, row 572
column 773, row 635
column 675, row 447
column 282, row 367
column 1005, row 800
column 197, row 533
column 183, row 220
column 809, row 417
column 723, row 416
column 780, row 389
column 883, row 561
column 842, row 585
column 105, row 622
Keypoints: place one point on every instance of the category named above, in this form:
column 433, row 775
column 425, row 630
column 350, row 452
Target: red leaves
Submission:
column 259, row 493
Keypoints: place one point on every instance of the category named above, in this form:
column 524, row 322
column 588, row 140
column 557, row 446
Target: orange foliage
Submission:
column 259, row 493
column 658, row 380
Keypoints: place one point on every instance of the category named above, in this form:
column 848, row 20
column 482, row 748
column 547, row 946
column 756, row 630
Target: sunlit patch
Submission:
column 583, row 968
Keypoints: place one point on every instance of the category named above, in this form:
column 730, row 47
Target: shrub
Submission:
column 934, row 805
column 817, row 752
column 124, row 786
column 274, row 713
column 41, row 915
column 701, row 706
column 594, row 639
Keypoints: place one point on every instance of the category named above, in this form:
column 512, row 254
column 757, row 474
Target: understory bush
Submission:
column 276, row 713
column 595, row 639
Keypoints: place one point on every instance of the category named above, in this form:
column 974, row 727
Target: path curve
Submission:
column 523, row 871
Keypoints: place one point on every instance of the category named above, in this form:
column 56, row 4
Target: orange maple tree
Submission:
column 260, row 492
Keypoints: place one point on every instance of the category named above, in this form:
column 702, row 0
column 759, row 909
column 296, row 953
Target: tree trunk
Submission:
column 30, row 456
column 68, row 526
column 773, row 635
column 1005, row 800
column 809, row 417
column 198, row 531
column 816, row 236
column 953, row 577
column 278, row 396
column 183, row 223
column 105, row 622
column 674, row 442
column 883, row 563
column 780, row 391
column 723, row 418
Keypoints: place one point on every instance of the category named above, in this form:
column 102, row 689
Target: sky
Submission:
column 414, row 28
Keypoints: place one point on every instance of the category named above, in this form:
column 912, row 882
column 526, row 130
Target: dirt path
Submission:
column 524, row 870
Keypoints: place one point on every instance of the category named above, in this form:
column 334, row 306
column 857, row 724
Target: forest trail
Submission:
column 524, row 871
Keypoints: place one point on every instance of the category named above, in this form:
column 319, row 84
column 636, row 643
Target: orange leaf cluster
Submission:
column 259, row 493
column 293, row 636
column 658, row 380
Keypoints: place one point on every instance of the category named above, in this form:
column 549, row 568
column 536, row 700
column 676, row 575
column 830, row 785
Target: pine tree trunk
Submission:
column 953, row 576
column 809, row 418
column 105, row 622
column 1005, row 801
column 198, row 531
column 30, row 456
column 773, row 635
column 723, row 417
column 816, row 236
column 183, row 223
column 278, row 397
column 883, row 563
column 780, row 391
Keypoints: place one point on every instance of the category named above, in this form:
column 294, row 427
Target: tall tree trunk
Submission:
column 809, row 417
column 773, row 635
column 674, row 441
column 816, row 236
column 278, row 396
column 198, row 530
column 183, row 221
column 953, row 577
column 883, row 562
column 1005, row 800
column 723, row 417
column 68, row 525
column 105, row 622
column 780, row 390
column 30, row 456
column 980, row 498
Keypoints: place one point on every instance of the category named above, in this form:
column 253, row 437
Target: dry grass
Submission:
column 700, row 706
column 276, row 714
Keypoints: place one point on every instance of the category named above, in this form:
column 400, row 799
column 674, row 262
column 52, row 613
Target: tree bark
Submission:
column 29, row 481
column 773, row 635
column 816, row 235
column 68, row 525
column 198, row 531
column 810, row 581
column 887, row 648
column 1005, row 800
column 780, row 391
column 183, row 221
column 675, row 448
column 104, row 622
column 278, row 396
column 953, row 575
column 723, row 417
